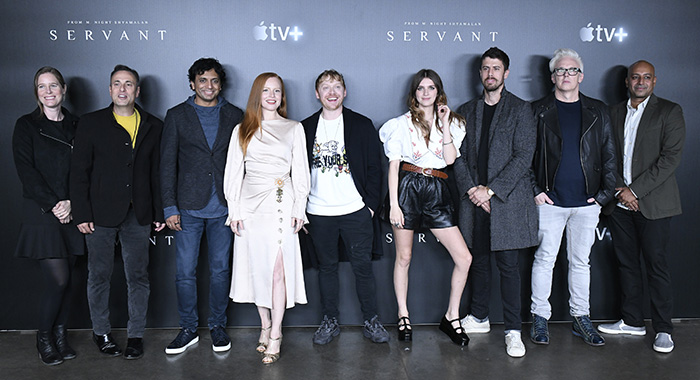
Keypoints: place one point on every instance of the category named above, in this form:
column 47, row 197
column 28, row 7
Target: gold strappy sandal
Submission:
column 263, row 342
column 270, row 358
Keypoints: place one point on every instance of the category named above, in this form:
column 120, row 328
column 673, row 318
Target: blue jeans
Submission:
column 187, row 242
column 579, row 224
column 133, row 238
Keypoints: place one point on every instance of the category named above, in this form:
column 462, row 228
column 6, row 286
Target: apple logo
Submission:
column 586, row 33
column 260, row 32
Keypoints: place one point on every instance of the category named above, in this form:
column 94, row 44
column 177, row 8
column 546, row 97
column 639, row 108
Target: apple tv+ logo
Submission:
column 587, row 33
column 262, row 32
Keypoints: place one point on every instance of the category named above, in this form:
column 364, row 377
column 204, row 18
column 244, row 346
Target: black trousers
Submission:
column 357, row 233
column 634, row 237
column 480, row 275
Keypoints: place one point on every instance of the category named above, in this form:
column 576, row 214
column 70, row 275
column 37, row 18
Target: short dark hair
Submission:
column 330, row 75
column 496, row 53
column 125, row 68
column 205, row 64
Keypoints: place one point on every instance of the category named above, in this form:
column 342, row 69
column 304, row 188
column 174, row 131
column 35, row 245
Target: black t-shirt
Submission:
column 482, row 161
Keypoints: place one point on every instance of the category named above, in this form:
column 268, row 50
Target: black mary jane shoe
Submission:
column 405, row 333
column 456, row 334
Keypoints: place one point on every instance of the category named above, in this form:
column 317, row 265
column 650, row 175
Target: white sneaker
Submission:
column 620, row 327
column 472, row 326
column 514, row 344
column 663, row 343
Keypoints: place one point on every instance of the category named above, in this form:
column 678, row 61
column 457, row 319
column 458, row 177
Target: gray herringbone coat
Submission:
column 514, row 216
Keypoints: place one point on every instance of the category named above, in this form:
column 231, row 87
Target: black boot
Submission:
column 61, row 339
column 47, row 352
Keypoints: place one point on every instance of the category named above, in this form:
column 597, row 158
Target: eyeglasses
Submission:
column 573, row 71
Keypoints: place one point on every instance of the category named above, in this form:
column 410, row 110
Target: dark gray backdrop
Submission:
column 378, row 46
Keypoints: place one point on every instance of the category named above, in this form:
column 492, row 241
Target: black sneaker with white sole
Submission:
column 184, row 339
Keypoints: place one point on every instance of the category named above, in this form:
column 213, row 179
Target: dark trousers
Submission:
column 634, row 237
column 133, row 238
column 480, row 275
column 357, row 233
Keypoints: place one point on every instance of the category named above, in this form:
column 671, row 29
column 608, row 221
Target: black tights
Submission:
column 54, row 308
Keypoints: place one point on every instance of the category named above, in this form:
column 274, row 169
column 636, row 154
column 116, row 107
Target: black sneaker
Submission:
column 329, row 328
column 584, row 328
column 184, row 339
column 220, row 342
column 375, row 331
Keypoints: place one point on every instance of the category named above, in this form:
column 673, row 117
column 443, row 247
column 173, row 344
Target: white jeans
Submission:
column 580, row 223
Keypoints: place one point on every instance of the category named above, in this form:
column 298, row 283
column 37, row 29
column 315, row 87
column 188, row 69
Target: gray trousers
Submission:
column 134, row 248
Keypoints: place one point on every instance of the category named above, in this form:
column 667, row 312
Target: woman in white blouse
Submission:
column 419, row 144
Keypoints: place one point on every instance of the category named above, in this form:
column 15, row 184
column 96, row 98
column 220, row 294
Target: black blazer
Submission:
column 42, row 156
column 364, row 153
column 187, row 164
column 108, row 175
column 656, row 155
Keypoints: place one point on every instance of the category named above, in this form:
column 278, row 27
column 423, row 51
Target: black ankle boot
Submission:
column 47, row 352
column 61, row 340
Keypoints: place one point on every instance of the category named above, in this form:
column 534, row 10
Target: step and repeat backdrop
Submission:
column 377, row 45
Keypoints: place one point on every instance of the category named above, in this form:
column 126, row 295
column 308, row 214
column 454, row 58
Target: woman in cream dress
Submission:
column 266, row 183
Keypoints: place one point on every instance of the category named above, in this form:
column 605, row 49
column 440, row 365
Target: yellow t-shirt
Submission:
column 131, row 124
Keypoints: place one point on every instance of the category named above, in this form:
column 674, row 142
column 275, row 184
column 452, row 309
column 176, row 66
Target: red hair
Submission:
column 252, row 121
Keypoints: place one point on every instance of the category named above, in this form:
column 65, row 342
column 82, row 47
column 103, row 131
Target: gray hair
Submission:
column 563, row 53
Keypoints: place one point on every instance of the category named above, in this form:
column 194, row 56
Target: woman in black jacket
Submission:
column 42, row 144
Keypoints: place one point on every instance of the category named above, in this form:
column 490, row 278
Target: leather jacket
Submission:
column 597, row 148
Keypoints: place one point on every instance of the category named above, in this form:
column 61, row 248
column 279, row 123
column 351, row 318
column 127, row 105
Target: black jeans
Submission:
column 480, row 275
column 357, row 234
column 633, row 237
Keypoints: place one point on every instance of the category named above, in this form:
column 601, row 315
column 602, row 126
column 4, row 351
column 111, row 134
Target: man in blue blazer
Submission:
column 195, row 142
column 345, row 162
column 649, row 134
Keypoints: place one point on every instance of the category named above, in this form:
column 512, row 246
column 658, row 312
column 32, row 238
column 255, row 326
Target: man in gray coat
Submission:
column 497, row 211
column 194, row 145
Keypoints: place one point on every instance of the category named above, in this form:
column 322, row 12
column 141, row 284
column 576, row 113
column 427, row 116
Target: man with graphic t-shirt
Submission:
column 345, row 162
column 574, row 175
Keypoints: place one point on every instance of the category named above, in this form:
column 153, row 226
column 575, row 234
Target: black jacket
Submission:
column 188, row 166
column 597, row 148
column 42, row 156
column 363, row 149
column 108, row 175
column 364, row 153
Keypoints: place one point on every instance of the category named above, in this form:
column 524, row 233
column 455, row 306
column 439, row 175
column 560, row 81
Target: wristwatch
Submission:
column 489, row 191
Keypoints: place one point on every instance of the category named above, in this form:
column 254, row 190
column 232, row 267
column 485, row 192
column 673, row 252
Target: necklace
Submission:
column 337, row 128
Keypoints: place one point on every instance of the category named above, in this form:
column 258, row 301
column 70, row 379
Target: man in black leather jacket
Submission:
column 573, row 177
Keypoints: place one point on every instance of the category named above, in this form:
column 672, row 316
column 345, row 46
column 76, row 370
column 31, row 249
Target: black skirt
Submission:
column 42, row 236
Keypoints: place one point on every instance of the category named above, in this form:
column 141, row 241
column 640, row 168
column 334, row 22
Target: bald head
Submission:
column 640, row 81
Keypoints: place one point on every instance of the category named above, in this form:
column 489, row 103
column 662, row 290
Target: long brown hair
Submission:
column 417, row 115
column 47, row 70
column 252, row 120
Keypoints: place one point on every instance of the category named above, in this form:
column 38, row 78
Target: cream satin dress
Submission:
column 265, row 189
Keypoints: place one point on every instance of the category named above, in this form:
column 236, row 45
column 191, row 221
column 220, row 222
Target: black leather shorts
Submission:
column 425, row 201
